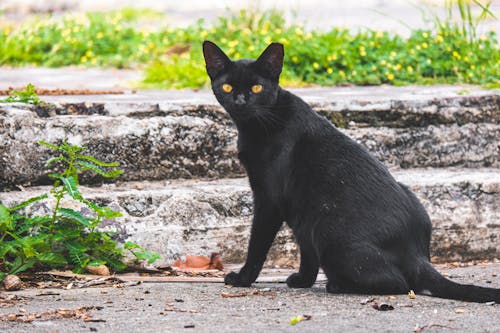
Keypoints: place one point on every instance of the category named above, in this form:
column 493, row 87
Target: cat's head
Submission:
column 244, row 87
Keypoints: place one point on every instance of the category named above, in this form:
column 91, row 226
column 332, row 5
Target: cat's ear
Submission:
column 270, row 61
column 215, row 59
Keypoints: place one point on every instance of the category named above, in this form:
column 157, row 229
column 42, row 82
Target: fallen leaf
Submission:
column 80, row 313
column 98, row 270
column 459, row 310
column 391, row 297
column 367, row 300
column 298, row 319
column 200, row 263
column 248, row 293
column 382, row 306
column 411, row 294
column 12, row 282
column 177, row 49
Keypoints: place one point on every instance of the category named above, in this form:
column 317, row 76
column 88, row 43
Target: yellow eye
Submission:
column 227, row 87
column 257, row 88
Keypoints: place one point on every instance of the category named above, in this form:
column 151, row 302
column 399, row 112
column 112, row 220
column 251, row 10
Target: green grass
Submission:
column 172, row 57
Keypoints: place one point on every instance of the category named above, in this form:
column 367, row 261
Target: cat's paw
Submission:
column 234, row 279
column 297, row 280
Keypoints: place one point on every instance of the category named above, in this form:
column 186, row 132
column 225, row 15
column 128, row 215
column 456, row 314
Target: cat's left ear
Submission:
column 215, row 59
column 270, row 61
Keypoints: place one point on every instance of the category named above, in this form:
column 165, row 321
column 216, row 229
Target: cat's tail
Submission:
column 433, row 283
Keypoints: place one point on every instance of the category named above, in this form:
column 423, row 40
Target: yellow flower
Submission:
column 76, row 29
column 409, row 69
column 472, row 67
column 247, row 31
column 315, row 65
column 283, row 40
column 299, row 31
column 334, row 56
column 93, row 61
column 425, row 45
column 417, row 47
column 329, row 70
column 99, row 35
column 397, row 67
column 251, row 48
column 341, row 73
column 456, row 55
column 466, row 59
column 362, row 53
column 203, row 34
column 278, row 31
column 374, row 68
column 439, row 39
column 232, row 43
column 295, row 59
column 353, row 73
column 412, row 51
column 83, row 59
column 393, row 54
column 308, row 36
column 379, row 34
column 389, row 76
column 425, row 34
column 88, row 54
column 383, row 62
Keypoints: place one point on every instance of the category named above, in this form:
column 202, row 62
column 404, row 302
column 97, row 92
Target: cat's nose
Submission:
column 240, row 99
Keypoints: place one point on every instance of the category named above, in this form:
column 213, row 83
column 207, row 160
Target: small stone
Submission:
column 12, row 283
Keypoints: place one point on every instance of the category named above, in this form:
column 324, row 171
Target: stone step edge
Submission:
column 363, row 112
column 180, row 217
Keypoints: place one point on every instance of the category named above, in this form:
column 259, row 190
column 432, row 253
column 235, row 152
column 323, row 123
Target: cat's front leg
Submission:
column 308, row 271
column 265, row 225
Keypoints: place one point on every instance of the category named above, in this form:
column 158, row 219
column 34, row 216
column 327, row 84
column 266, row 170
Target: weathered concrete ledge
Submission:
column 345, row 106
column 197, row 217
column 193, row 140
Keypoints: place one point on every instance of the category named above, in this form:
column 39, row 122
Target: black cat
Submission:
column 369, row 233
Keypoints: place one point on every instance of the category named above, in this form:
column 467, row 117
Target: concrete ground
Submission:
column 201, row 307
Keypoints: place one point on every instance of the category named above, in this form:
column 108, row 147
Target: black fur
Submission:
column 369, row 233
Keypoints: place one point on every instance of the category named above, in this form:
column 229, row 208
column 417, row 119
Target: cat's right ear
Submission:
column 215, row 59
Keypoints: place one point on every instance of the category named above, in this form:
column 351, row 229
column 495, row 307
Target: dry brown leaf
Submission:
column 98, row 270
column 248, row 293
column 200, row 263
column 178, row 49
column 12, row 282
column 22, row 316
column 411, row 294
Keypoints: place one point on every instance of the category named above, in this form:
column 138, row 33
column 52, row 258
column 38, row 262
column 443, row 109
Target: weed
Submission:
column 65, row 236
column 28, row 95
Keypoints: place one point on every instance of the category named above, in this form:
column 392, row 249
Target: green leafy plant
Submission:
column 66, row 237
column 28, row 95
column 450, row 51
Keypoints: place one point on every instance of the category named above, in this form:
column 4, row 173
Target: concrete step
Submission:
column 178, row 217
column 169, row 135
